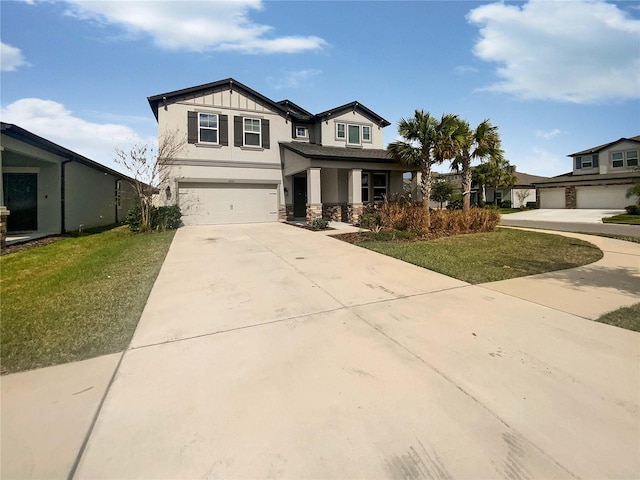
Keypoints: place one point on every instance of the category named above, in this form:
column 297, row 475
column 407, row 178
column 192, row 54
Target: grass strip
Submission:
column 77, row 298
column 625, row 317
column 488, row 257
column 623, row 218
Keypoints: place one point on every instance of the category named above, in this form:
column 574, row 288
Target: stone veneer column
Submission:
column 314, row 194
column 570, row 197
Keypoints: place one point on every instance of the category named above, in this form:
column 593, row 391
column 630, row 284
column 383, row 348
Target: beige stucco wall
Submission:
column 355, row 118
column 89, row 197
column 604, row 160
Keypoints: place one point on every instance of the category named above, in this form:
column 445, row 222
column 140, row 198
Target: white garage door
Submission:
column 611, row 196
column 552, row 197
column 221, row 203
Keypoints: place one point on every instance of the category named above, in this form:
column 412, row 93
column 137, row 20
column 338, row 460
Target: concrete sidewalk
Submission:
column 271, row 351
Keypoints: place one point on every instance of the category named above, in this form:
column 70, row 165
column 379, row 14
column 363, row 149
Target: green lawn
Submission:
column 626, row 317
column 77, row 298
column 487, row 257
column 623, row 218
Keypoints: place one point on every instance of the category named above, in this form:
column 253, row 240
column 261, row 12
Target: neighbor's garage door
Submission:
column 611, row 196
column 552, row 197
column 220, row 203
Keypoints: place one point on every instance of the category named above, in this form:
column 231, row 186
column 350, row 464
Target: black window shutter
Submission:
column 595, row 160
column 224, row 130
column 192, row 127
column 237, row 131
column 266, row 140
column 578, row 163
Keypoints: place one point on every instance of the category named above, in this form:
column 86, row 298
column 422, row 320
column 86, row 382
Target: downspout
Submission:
column 62, row 195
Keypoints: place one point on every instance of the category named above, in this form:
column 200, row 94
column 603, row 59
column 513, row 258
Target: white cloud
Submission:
column 464, row 69
column 293, row 79
column 51, row 120
column 11, row 58
column 197, row 26
column 581, row 51
column 548, row 135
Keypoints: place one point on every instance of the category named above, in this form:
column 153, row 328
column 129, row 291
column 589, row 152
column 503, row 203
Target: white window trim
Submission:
column 244, row 132
column 306, row 132
column 370, row 139
column 344, row 137
column 217, row 129
column 622, row 153
column 583, row 163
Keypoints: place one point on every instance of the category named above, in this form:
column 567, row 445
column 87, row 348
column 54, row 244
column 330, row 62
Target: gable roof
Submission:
column 599, row 148
column 526, row 179
column 19, row 133
column 286, row 108
column 230, row 83
column 352, row 107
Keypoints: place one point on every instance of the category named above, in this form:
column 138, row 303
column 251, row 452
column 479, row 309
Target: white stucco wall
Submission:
column 605, row 162
column 89, row 197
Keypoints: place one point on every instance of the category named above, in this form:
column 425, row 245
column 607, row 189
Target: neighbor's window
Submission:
column 302, row 132
column 617, row 159
column 365, row 187
column 366, row 133
column 379, row 186
column 632, row 158
column 341, row 131
column 588, row 161
column 252, row 132
column 208, row 128
column 354, row 135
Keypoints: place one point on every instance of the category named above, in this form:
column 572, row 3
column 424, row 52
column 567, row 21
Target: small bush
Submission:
column 455, row 202
column 370, row 219
column 633, row 209
column 162, row 218
column 319, row 223
column 505, row 204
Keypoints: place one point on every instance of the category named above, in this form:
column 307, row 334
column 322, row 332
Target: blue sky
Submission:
column 555, row 76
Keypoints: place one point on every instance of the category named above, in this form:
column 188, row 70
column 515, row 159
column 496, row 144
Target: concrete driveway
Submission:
column 267, row 351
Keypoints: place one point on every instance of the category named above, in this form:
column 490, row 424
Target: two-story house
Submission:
column 600, row 178
column 248, row 158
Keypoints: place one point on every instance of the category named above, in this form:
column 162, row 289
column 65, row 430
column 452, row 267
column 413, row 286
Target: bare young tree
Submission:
column 522, row 196
column 149, row 166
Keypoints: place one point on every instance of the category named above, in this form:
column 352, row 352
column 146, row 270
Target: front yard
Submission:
column 77, row 298
column 623, row 219
column 487, row 257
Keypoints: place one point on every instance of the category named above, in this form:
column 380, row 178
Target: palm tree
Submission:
column 425, row 143
column 496, row 172
column 477, row 144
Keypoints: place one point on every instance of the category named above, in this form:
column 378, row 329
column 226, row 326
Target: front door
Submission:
column 299, row 197
column 21, row 198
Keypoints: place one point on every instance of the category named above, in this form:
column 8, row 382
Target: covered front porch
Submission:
column 336, row 183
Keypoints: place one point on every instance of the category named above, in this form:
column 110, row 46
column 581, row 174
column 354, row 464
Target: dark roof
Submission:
column 571, row 178
column 526, row 179
column 285, row 108
column 295, row 110
column 230, row 83
column 311, row 150
column 352, row 107
column 599, row 148
column 26, row 136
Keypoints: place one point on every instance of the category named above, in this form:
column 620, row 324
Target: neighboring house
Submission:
column 519, row 194
column 49, row 189
column 600, row 178
column 251, row 159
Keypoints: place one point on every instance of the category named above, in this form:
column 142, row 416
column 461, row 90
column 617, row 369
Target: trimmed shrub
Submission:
column 633, row 209
column 319, row 223
column 505, row 204
column 162, row 218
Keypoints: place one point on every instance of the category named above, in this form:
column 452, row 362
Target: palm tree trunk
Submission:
column 425, row 187
column 466, row 187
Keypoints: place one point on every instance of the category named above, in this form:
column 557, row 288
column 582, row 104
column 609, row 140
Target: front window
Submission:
column 585, row 162
column 617, row 159
column 630, row 156
column 366, row 133
column 365, row 187
column 301, row 132
column 340, row 131
column 208, row 128
column 379, row 186
column 252, row 132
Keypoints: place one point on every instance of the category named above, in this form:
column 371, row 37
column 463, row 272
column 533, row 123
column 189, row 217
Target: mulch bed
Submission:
column 306, row 227
column 40, row 242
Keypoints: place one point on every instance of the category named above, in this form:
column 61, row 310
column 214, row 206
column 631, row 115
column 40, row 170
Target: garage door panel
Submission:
column 552, row 198
column 602, row 196
column 214, row 204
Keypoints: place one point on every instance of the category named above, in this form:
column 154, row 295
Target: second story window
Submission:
column 341, row 131
column 353, row 135
column 302, row 132
column 252, row 132
column 366, row 133
column 207, row 128
column 587, row 161
column 621, row 159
